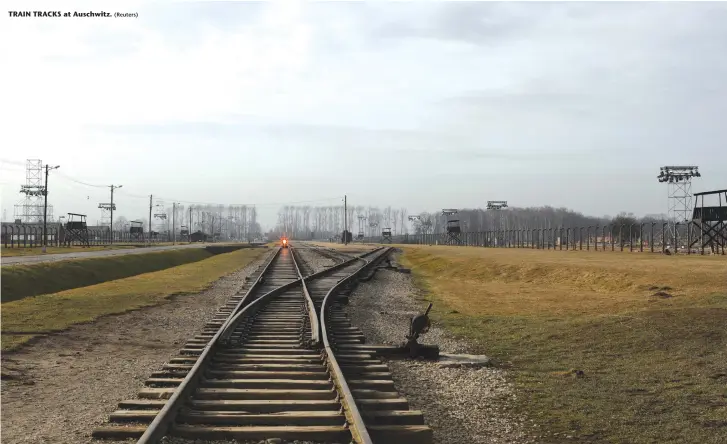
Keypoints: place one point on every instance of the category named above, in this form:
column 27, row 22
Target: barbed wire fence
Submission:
column 653, row 237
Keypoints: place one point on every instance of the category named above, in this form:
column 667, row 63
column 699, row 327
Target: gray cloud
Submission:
column 423, row 145
column 472, row 22
column 449, row 103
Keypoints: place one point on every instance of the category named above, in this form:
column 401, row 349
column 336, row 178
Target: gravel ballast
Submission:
column 316, row 261
column 461, row 405
column 66, row 384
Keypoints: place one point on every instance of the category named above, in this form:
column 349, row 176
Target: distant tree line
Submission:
column 323, row 222
column 306, row 222
column 233, row 222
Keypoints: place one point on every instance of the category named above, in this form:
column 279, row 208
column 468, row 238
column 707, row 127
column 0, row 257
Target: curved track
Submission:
column 274, row 363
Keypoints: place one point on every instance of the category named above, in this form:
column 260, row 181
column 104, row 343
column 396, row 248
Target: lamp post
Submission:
column 45, row 206
column 113, row 187
column 174, row 221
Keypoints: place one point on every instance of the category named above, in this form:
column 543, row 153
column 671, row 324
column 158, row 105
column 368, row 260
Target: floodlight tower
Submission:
column 498, row 206
column 105, row 208
column 30, row 209
column 373, row 226
column 414, row 220
column 361, row 220
column 679, row 181
column 161, row 215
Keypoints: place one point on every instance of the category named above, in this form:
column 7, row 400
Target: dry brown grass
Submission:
column 522, row 282
column 646, row 331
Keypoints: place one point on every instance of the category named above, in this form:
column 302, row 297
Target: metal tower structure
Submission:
column 498, row 206
column 30, row 209
column 361, row 220
column 414, row 221
column 105, row 208
column 161, row 215
column 373, row 226
column 679, row 182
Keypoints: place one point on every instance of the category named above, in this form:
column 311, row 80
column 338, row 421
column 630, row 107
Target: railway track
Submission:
column 279, row 361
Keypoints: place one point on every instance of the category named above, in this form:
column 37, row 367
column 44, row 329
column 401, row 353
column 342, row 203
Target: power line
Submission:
column 264, row 204
column 233, row 204
column 136, row 196
column 11, row 168
column 13, row 162
column 80, row 182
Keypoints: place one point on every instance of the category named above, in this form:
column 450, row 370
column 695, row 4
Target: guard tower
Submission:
column 453, row 230
column 77, row 229
column 710, row 221
column 386, row 235
column 136, row 231
column 184, row 232
column 498, row 206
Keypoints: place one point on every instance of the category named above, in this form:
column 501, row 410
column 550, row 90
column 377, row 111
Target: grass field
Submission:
column 35, row 315
column 20, row 281
column 11, row 252
column 604, row 347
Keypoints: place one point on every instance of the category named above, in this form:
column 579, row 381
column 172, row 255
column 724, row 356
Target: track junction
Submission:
column 279, row 360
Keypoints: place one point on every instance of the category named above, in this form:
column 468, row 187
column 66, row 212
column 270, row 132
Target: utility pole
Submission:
column 112, row 209
column 345, row 220
column 150, row 205
column 189, row 235
column 45, row 207
column 174, row 232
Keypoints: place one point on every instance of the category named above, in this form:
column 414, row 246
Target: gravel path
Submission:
column 66, row 384
column 462, row 405
column 34, row 259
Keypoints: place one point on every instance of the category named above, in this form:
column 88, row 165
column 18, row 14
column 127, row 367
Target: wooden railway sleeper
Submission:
column 242, row 334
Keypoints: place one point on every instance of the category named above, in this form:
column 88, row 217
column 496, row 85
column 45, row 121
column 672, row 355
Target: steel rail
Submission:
column 311, row 308
column 357, row 426
column 168, row 414
column 230, row 327
column 359, row 433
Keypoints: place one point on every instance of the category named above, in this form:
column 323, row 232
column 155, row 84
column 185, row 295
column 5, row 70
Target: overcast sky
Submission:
column 419, row 105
